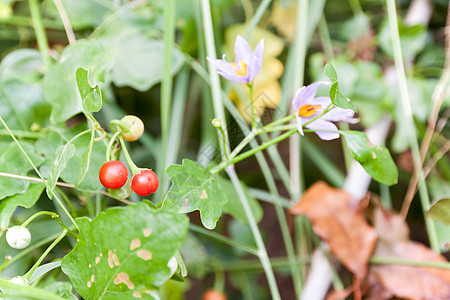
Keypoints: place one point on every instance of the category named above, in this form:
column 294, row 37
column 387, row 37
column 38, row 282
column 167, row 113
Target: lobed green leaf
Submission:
column 91, row 97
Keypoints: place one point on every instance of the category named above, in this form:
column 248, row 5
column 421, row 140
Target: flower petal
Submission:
column 324, row 124
column 299, row 124
column 338, row 114
column 242, row 50
column 298, row 101
column 253, row 69
column 324, row 101
column 226, row 70
column 259, row 50
column 309, row 92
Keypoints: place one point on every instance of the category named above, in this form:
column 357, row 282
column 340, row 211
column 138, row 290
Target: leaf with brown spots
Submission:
column 337, row 219
column 123, row 253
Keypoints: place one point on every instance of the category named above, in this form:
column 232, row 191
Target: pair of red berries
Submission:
column 114, row 174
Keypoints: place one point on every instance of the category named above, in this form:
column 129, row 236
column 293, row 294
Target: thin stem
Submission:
column 250, row 86
column 39, row 173
column 131, row 164
column 224, row 141
column 39, row 30
column 29, row 249
column 22, row 134
column 399, row 261
column 223, row 239
column 46, row 252
column 54, row 216
column 262, row 252
column 257, row 17
column 166, row 85
column 65, row 20
column 110, row 144
column 408, row 118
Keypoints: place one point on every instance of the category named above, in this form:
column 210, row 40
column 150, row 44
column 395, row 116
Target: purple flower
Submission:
column 307, row 106
column 247, row 63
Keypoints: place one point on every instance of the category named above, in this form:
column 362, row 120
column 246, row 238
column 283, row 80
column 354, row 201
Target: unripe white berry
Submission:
column 19, row 280
column 18, row 237
column 173, row 265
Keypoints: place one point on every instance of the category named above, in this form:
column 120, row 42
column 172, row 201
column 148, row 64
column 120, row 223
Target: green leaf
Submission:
column 123, row 253
column 330, row 72
column 138, row 60
column 338, row 99
column 194, row 188
column 63, row 154
column 72, row 172
column 63, row 289
column 91, row 97
column 27, row 200
column 17, row 291
column 376, row 160
column 86, row 160
column 21, row 99
column 234, row 205
column 440, row 210
column 60, row 85
column 12, row 161
column 44, row 269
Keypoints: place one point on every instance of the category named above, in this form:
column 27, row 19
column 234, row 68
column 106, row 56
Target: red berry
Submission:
column 145, row 182
column 113, row 174
column 214, row 294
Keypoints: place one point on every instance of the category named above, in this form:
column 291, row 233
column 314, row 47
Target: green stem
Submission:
column 399, row 261
column 250, row 86
column 224, row 141
column 39, row 261
column 22, row 134
column 54, row 216
column 39, row 30
column 223, row 239
column 26, row 251
column 39, row 173
column 131, row 164
column 166, row 86
column 262, row 252
column 254, row 265
column 408, row 118
column 110, row 144
column 251, row 152
column 257, row 17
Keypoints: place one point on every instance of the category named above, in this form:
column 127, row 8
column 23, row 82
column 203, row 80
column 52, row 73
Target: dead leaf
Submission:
column 412, row 282
column 390, row 227
column 336, row 218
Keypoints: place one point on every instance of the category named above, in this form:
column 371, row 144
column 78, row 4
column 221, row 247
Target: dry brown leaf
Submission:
column 412, row 282
column 337, row 219
column 390, row 227
column 339, row 295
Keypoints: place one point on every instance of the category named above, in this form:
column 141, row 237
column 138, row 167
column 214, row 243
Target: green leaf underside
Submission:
column 330, row 72
column 376, row 160
column 194, row 188
column 13, row 161
column 63, row 154
column 123, row 253
column 27, row 200
column 234, row 205
column 86, row 159
column 440, row 210
column 62, row 289
column 16, row 291
column 91, row 97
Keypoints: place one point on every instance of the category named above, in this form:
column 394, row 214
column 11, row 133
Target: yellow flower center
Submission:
column 308, row 110
column 242, row 69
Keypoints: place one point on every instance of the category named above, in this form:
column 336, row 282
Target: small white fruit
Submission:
column 19, row 280
column 173, row 265
column 18, row 237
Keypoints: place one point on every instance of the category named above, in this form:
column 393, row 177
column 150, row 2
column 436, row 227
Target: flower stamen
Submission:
column 308, row 110
column 240, row 70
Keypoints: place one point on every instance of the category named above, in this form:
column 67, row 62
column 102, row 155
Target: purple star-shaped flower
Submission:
column 307, row 106
column 247, row 64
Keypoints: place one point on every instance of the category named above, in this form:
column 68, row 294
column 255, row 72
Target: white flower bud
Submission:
column 18, row 237
column 216, row 123
column 173, row 265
